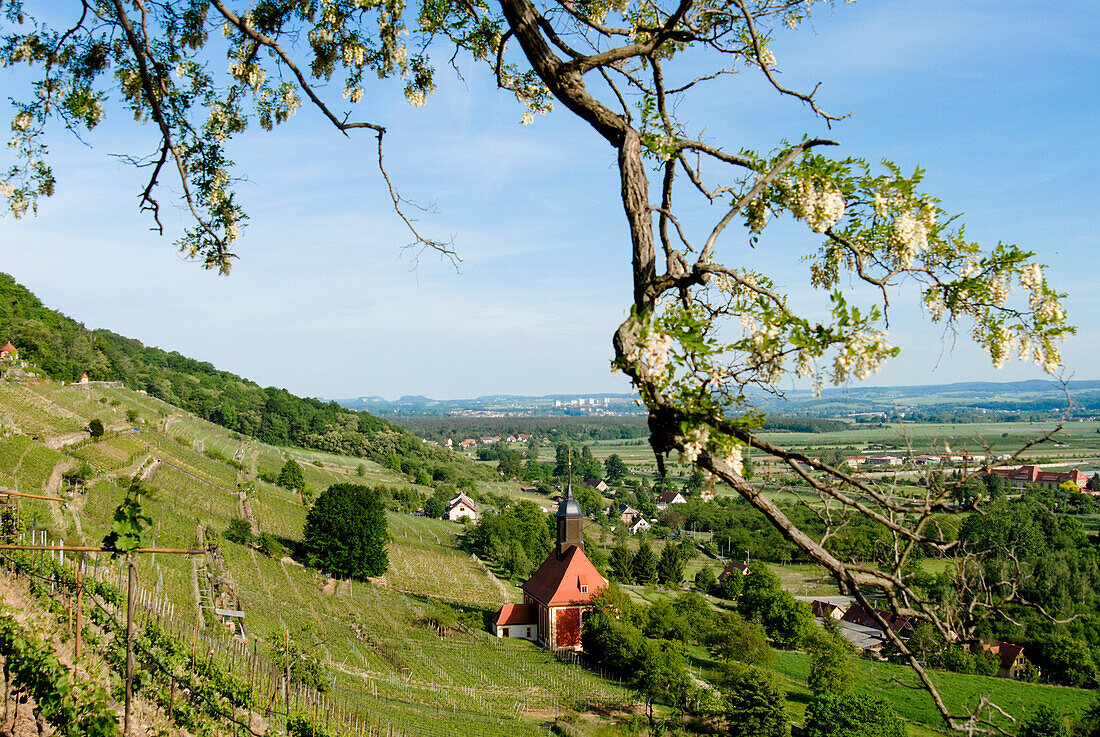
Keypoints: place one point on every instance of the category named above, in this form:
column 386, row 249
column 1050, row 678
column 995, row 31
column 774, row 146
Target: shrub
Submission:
column 239, row 531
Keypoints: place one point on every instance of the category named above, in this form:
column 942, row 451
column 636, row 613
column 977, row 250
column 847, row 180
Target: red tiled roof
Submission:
column 736, row 565
column 1007, row 652
column 558, row 582
column 516, row 614
column 461, row 499
column 858, row 615
column 8, row 347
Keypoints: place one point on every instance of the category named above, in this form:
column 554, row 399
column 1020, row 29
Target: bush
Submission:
column 239, row 531
column 271, row 547
column 95, row 428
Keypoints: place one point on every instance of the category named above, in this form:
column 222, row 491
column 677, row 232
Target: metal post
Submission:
column 131, row 576
column 79, row 605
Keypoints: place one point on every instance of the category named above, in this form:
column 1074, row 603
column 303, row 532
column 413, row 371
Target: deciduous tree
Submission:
column 345, row 532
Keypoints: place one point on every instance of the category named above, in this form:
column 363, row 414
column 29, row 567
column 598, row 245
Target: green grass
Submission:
column 961, row 693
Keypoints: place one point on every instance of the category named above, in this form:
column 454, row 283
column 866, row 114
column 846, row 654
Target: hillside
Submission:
column 63, row 349
column 379, row 656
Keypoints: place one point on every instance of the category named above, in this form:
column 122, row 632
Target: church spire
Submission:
column 570, row 519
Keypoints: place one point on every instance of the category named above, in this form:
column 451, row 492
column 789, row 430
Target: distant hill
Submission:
column 1032, row 396
column 64, row 349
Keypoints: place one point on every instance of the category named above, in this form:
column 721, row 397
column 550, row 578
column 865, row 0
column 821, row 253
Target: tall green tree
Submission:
column 345, row 532
column 831, row 669
column 851, row 715
column 622, row 564
column 670, row 567
column 291, row 476
column 645, row 565
column 615, row 468
column 756, row 704
column 705, row 580
column 735, row 639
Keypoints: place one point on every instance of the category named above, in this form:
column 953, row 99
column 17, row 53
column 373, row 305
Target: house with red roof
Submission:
column 1011, row 662
column 1019, row 478
column 735, row 566
column 557, row 595
column 9, row 351
column 461, row 506
column 669, row 497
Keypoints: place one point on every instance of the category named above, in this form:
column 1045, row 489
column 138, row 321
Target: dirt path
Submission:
column 53, row 488
column 151, row 471
column 246, row 512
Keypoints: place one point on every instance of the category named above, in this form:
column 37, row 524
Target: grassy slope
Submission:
column 383, row 659
column 896, row 684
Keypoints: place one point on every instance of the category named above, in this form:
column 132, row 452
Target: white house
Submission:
column 461, row 506
column 670, row 497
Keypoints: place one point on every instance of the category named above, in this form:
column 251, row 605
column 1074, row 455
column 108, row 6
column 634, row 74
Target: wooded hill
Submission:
column 64, row 349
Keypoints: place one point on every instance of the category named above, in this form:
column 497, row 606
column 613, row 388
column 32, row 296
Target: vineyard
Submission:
column 388, row 671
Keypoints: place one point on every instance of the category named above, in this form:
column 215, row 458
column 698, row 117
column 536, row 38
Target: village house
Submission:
column 627, row 514
column 461, row 506
column 670, row 497
column 1011, row 662
column 9, row 351
column 597, row 484
column 734, row 566
column 826, row 610
column 557, row 595
column 900, row 624
column 640, row 524
column 1025, row 476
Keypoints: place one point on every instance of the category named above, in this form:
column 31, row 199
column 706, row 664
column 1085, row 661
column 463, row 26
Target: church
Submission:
column 557, row 595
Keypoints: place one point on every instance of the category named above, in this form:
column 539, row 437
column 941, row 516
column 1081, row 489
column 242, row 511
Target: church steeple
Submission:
column 570, row 520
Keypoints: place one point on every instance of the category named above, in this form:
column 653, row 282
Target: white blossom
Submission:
column 820, row 209
column 655, row 352
column 735, row 461
column 696, row 443
column 1031, row 276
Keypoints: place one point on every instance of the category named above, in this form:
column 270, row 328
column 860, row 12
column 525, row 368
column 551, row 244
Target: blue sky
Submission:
column 997, row 101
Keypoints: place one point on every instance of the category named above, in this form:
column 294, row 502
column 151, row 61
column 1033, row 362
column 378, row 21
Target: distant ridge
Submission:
column 1043, row 395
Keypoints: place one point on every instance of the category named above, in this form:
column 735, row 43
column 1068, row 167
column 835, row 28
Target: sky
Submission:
column 998, row 102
